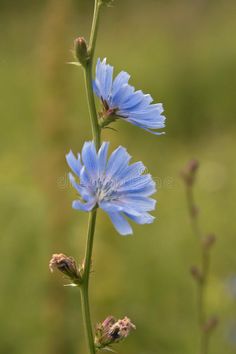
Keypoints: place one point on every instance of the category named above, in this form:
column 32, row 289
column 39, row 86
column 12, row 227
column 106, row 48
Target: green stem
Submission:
column 86, row 318
column 85, row 285
column 96, row 133
column 94, row 29
column 89, row 245
column 96, row 130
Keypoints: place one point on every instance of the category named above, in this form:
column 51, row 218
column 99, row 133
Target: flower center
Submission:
column 108, row 114
column 105, row 189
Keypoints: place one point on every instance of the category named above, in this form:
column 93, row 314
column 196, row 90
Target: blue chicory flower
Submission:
column 120, row 189
column 120, row 100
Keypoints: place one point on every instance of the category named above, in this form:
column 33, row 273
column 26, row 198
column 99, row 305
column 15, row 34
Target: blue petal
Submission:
column 74, row 163
column 142, row 185
column 85, row 179
column 110, row 206
column 100, row 70
column 77, row 204
column 153, row 132
column 80, row 189
column 143, row 121
column 90, row 161
column 144, row 218
column 117, row 206
column 102, row 157
column 108, row 81
column 117, row 161
column 97, row 83
column 132, row 171
column 147, row 117
column 145, row 191
column 138, row 101
column 96, row 88
column 120, row 223
column 146, row 126
column 122, row 95
column 139, row 203
column 103, row 83
column 121, row 79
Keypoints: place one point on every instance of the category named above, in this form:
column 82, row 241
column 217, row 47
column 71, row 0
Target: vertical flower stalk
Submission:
column 121, row 189
column 85, row 57
column 206, row 325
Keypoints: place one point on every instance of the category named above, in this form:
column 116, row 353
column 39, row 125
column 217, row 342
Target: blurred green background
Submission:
column 184, row 54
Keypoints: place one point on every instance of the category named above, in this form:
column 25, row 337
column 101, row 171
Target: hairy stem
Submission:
column 96, row 133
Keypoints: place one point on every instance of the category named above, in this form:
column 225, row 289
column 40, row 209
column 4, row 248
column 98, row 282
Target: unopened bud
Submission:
column 189, row 172
column 194, row 211
column 208, row 241
column 81, row 50
column 112, row 331
column 67, row 266
column 193, row 165
column 196, row 273
column 210, row 324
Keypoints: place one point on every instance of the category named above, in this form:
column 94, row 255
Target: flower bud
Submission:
column 189, row 172
column 194, row 211
column 196, row 273
column 208, row 241
column 112, row 331
column 81, row 50
column 210, row 324
column 67, row 266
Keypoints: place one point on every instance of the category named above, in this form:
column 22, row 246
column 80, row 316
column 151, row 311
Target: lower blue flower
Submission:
column 121, row 189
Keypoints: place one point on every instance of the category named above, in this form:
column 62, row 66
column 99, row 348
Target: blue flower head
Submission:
column 120, row 189
column 120, row 100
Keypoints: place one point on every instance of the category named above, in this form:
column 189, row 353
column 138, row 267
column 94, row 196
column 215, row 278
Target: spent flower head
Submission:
column 208, row 241
column 120, row 100
column 67, row 266
column 112, row 331
column 120, row 189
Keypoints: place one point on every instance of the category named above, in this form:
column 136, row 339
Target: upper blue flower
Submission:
column 120, row 189
column 120, row 100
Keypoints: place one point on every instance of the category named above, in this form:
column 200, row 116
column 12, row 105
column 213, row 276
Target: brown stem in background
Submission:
column 193, row 211
column 201, row 276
